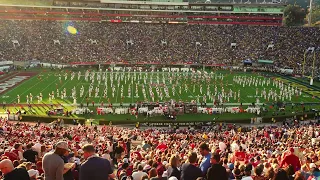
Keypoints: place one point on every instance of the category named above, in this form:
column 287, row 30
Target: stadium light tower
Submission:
column 311, row 50
column 313, row 67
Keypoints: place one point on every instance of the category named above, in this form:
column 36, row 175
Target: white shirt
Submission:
column 234, row 147
column 247, row 178
column 20, row 155
column 222, row 146
column 138, row 175
column 37, row 147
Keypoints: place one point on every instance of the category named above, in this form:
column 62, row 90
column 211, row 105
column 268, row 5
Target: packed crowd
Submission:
column 222, row 152
column 163, row 43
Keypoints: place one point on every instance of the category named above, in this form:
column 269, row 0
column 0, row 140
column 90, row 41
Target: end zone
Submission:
column 12, row 81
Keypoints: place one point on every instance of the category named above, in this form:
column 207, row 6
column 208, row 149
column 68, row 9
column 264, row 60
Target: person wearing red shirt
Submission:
column 240, row 155
column 10, row 155
column 136, row 154
column 162, row 146
column 192, row 145
column 291, row 159
column 76, row 139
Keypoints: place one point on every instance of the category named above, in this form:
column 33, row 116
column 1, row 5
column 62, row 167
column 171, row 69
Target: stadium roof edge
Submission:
column 146, row 10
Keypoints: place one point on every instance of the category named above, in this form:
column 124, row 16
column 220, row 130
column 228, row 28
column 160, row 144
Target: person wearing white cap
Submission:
column 312, row 165
column 53, row 164
column 33, row 174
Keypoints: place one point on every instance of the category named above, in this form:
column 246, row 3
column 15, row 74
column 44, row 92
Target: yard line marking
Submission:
column 48, row 85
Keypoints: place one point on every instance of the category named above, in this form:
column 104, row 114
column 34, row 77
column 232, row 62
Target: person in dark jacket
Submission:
column 189, row 171
column 173, row 168
column 118, row 152
column 216, row 171
column 95, row 168
column 11, row 173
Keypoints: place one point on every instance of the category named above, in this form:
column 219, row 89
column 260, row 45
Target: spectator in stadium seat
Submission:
column 173, row 168
column 160, row 170
column 94, row 168
column 258, row 173
column 216, row 171
column 291, row 159
column 11, row 173
column 237, row 174
column 53, row 164
column 30, row 155
column 18, row 152
column 139, row 174
column 247, row 173
column 119, row 150
column 153, row 173
column 189, row 171
column 281, row 175
column 206, row 155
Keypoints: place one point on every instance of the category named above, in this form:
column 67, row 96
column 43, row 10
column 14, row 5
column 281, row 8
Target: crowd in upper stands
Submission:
column 164, row 43
column 223, row 152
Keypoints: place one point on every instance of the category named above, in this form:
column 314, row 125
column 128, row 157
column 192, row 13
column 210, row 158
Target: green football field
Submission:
column 131, row 87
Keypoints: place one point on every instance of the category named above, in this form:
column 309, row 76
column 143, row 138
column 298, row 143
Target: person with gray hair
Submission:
column 53, row 164
column 11, row 173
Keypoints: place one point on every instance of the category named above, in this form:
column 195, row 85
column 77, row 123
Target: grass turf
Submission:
column 47, row 81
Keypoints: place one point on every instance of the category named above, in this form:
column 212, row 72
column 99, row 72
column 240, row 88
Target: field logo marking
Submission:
column 12, row 82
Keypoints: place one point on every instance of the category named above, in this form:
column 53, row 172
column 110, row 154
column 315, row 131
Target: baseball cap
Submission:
column 312, row 165
column 231, row 166
column 62, row 145
column 33, row 172
column 173, row 178
column 125, row 160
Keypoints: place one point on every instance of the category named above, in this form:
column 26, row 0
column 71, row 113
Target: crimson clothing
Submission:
column 137, row 155
column 162, row 147
column 293, row 160
column 240, row 156
column 10, row 155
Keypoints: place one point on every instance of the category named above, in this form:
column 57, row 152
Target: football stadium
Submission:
column 159, row 89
